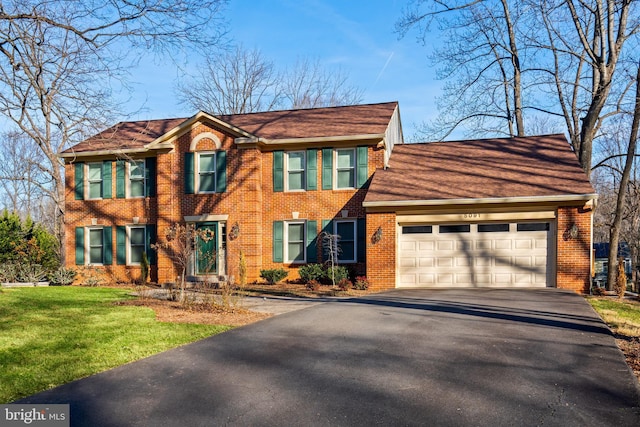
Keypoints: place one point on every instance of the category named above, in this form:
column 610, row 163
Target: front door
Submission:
column 207, row 249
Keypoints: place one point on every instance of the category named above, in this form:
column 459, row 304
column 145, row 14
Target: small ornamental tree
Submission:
column 330, row 244
column 180, row 246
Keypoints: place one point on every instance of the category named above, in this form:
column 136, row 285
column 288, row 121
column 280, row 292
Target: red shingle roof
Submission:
column 486, row 168
column 370, row 119
column 367, row 119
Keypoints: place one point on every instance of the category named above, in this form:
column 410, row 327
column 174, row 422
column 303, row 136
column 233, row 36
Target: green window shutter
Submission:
column 189, row 174
column 120, row 183
column 278, row 241
column 327, row 227
column 121, row 245
column 221, row 171
column 106, row 180
column 79, row 181
column 107, row 246
column 361, row 239
column 151, row 236
column 79, row 245
column 278, row 171
column 327, row 168
column 312, row 241
column 312, row 169
column 150, row 175
column 362, row 166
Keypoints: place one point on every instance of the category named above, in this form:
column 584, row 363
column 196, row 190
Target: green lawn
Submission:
column 622, row 316
column 52, row 335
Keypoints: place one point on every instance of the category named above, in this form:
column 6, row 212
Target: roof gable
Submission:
column 537, row 166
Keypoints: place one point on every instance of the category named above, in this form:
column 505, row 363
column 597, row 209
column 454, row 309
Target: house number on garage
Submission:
column 471, row 216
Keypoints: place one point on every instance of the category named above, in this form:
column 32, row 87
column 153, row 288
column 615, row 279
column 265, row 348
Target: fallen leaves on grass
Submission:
column 630, row 346
column 171, row 311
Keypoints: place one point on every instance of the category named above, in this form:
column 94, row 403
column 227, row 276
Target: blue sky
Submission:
column 356, row 36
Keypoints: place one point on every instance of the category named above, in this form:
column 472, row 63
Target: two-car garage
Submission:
column 503, row 212
column 492, row 254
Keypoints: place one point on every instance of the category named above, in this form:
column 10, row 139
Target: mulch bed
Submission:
column 172, row 311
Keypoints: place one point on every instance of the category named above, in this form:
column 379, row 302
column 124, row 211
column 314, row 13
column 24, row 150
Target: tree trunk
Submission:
column 614, row 237
column 517, row 80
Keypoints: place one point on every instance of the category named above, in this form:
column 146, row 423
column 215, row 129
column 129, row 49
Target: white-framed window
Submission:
column 94, row 180
column 347, row 240
column 295, row 244
column 296, row 162
column 136, row 244
column 206, row 172
column 136, row 182
column 95, row 246
column 345, row 168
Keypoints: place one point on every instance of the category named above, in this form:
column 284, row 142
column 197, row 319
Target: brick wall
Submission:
column 574, row 254
column 249, row 201
column 381, row 253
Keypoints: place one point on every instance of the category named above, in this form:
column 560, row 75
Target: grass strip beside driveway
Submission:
column 53, row 335
column 623, row 317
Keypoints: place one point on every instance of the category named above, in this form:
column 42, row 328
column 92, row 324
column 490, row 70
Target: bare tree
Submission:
column 480, row 60
column 310, row 85
column 24, row 185
column 240, row 81
column 59, row 61
column 557, row 57
column 583, row 48
column 622, row 189
column 244, row 81
column 180, row 245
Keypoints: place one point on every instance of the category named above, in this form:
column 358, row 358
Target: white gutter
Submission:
column 482, row 201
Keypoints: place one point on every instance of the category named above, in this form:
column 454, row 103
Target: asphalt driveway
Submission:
column 408, row 357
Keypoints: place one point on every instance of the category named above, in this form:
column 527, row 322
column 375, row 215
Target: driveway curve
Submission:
column 481, row 357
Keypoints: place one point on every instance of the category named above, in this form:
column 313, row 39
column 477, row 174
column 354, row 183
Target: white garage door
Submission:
column 474, row 255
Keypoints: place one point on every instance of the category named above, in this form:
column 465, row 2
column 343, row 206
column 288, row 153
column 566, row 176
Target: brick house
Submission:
column 495, row 212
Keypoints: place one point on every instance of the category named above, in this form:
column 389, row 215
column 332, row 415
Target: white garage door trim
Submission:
column 484, row 254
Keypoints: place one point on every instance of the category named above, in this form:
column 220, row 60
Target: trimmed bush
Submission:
column 309, row 272
column 361, row 283
column 274, row 275
column 62, row 276
column 344, row 284
column 313, row 285
column 339, row 273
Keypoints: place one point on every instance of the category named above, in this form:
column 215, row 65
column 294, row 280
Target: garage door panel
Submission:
column 426, row 246
column 523, row 279
column 407, row 246
column 523, row 244
column 502, row 278
column 522, row 261
column 462, row 261
column 426, row 262
column 409, row 279
column 445, row 245
column 444, row 262
column 463, row 245
column 502, row 244
column 427, row 279
column 407, row 262
column 482, row 262
column 445, row 278
column 474, row 258
column 483, row 244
